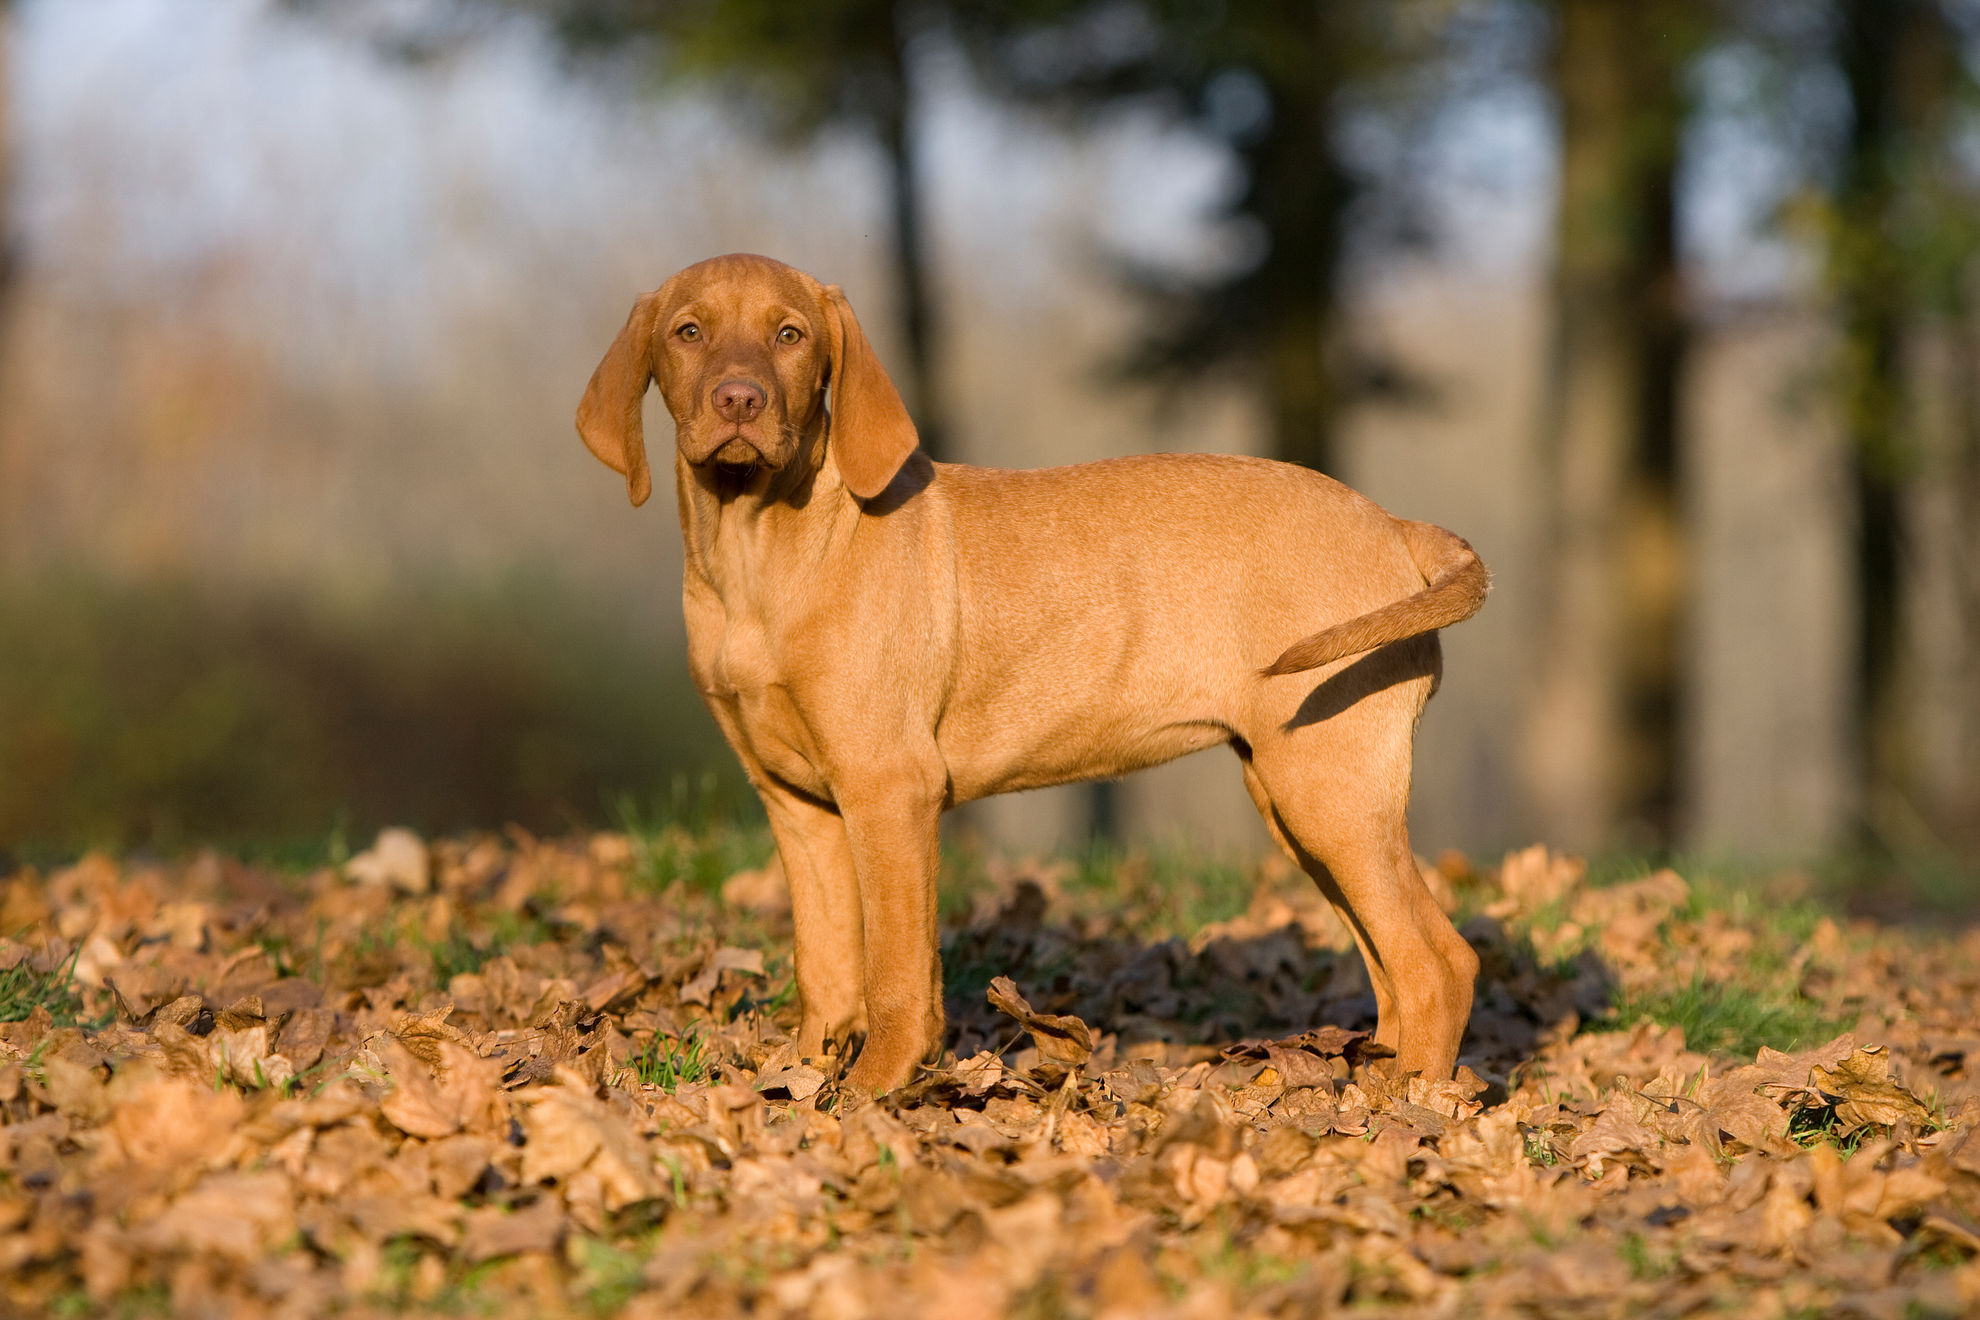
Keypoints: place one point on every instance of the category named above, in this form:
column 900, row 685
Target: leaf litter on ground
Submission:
column 508, row 1076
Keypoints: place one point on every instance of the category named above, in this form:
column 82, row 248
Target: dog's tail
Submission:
column 1458, row 582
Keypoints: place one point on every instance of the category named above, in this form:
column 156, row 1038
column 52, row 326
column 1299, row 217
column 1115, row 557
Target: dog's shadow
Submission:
column 1195, row 997
column 1380, row 669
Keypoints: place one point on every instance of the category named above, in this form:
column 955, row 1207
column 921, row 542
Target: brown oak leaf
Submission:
column 1059, row 1036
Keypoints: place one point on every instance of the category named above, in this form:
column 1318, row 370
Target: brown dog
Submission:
column 882, row 637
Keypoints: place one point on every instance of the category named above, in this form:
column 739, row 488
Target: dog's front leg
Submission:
column 893, row 824
column 831, row 965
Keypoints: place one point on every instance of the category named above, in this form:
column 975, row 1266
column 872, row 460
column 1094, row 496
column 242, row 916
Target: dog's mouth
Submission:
column 734, row 455
column 736, row 452
column 733, row 465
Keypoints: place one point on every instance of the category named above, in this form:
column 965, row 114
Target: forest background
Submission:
column 1668, row 306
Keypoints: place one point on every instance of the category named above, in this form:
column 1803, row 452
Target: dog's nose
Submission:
column 738, row 400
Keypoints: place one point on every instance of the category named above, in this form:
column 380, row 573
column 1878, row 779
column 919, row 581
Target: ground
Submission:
column 508, row 1076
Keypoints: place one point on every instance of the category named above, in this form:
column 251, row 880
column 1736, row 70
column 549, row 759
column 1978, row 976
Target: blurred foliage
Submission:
column 130, row 715
column 801, row 64
column 1901, row 248
column 159, row 713
column 698, row 832
column 794, row 70
column 1271, row 83
column 1275, row 85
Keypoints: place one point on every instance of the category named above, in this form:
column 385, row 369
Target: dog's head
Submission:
column 746, row 350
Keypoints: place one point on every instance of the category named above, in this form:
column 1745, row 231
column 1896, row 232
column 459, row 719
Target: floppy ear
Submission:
column 872, row 434
column 608, row 415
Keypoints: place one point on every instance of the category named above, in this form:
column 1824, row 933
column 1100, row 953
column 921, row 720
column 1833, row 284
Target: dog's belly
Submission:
column 1097, row 744
column 1063, row 688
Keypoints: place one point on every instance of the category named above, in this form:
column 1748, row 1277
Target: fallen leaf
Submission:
column 397, row 860
column 748, row 962
column 1863, row 1093
column 1058, row 1036
column 491, row 1231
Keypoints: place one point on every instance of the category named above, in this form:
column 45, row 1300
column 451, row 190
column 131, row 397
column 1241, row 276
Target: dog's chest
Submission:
column 740, row 662
column 738, row 670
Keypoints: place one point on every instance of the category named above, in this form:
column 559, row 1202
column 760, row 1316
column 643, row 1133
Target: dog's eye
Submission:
column 790, row 334
column 689, row 332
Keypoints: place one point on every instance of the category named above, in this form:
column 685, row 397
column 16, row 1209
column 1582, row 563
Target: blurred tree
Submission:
column 12, row 454
column 1901, row 245
column 1267, row 80
column 1602, row 718
column 10, row 255
column 795, row 69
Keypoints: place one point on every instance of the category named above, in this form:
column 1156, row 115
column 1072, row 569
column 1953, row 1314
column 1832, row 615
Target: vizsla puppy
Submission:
column 881, row 637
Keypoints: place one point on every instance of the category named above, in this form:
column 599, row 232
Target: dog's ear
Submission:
column 872, row 434
column 608, row 415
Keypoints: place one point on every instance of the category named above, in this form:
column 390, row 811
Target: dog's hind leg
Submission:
column 1336, row 791
column 1378, row 975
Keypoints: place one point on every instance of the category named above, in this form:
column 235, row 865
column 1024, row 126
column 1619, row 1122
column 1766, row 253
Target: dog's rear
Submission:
column 1457, row 582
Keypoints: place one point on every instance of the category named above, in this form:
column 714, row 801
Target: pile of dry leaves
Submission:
column 513, row 1077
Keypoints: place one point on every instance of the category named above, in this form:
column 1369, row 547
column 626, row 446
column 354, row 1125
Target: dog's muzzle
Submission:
column 737, row 452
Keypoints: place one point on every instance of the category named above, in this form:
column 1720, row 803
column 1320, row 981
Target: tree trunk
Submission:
column 920, row 384
column 1300, row 195
column 12, row 482
column 1893, row 55
column 1956, row 807
column 1600, row 727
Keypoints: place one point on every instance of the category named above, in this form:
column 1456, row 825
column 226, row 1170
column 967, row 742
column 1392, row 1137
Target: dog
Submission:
column 881, row 637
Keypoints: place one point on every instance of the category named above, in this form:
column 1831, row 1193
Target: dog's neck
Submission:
column 736, row 519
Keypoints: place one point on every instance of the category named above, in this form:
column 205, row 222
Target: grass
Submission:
column 1167, row 890
column 969, row 966
column 1647, row 1262
column 670, row 1062
column 1221, row 1255
column 461, row 951
column 1758, row 1004
column 696, row 832
column 1907, row 886
column 1728, row 1017
column 142, row 1303
column 161, row 713
column 610, row 1275
column 1817, row 1125
column 1792, row 895
column 22, row 990
column 1148, row 891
